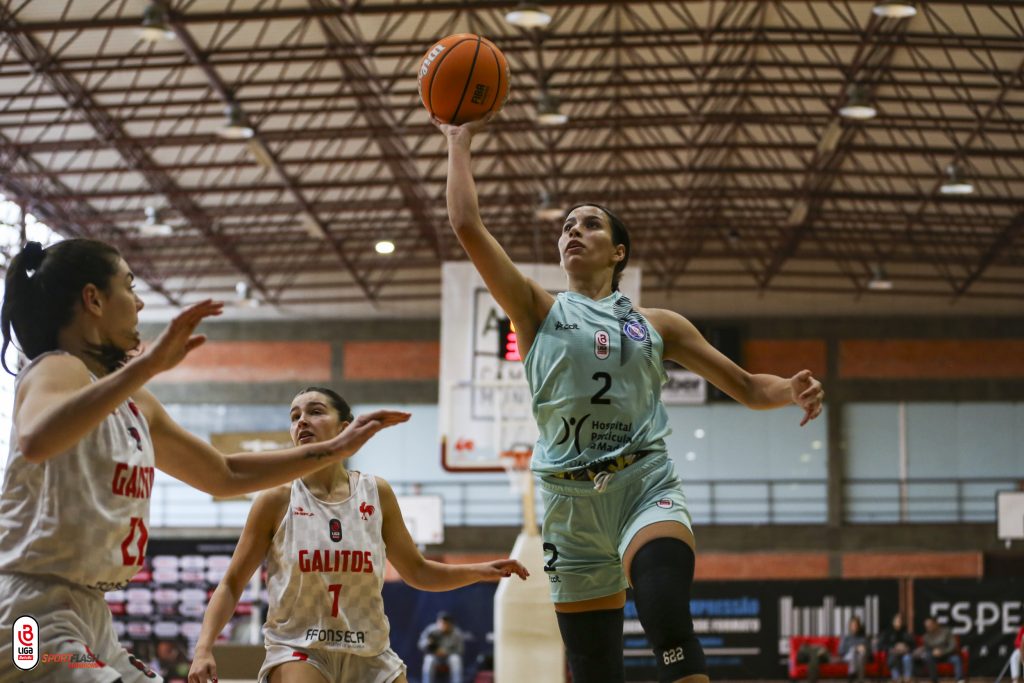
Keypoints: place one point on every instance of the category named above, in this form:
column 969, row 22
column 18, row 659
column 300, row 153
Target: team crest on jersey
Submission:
column 335, row 527
column 602, row 345
column 635, row 330
column 135, row 435
column 366, row 510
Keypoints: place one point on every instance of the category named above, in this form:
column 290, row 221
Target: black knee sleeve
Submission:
column 662, row 573
column 593, row 645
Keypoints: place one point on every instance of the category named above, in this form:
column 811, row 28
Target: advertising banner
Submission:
column 745, row 626
column 985, row 615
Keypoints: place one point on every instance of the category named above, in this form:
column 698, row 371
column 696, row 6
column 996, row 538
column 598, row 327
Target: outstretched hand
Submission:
column 463, row 133
column 177, row 340
column 503, row 569
column 807, row 393
column 203, row 669
column 359, row 431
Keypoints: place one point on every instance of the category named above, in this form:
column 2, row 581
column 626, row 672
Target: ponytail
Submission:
column 43, row 289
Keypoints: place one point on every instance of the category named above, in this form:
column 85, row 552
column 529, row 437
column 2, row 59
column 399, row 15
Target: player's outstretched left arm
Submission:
column 188, row 458
column 428, row 575
column 685, row 345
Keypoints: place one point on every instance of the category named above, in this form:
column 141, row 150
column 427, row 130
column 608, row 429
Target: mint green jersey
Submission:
column 595, row 373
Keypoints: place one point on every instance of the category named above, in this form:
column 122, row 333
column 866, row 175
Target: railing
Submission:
column 922, row 500
column 488, row 501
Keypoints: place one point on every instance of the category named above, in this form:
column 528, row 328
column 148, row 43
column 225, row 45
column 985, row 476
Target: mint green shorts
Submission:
column 586, row 532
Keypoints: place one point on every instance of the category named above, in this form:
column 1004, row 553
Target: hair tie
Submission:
column 32, row 255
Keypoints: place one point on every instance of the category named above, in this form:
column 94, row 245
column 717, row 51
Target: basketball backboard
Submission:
column 1010, row 515
column 485, row 403
column 424, row 518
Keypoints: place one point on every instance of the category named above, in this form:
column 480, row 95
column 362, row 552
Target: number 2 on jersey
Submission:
column 598, row 398
column 335, row 590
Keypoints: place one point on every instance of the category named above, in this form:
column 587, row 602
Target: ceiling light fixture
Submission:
column 879, row 281
column 528, row 15
column 548, row 113
column 954, row 183
column 384, row 247
column 246, row 297
column 894, row 9
column 154, row 24
column 236, row 128
column 858, row 106
column 154, row 226
column 547, row 208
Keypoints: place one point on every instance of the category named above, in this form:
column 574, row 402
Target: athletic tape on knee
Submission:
column 662, row 573
column 593, row 645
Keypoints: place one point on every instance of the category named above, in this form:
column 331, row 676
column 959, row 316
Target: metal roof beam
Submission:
column 197, row 57
column 112, row 134
column 51, row 201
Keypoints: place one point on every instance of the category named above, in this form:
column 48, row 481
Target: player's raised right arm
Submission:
column 525, row 302
column 57, row 404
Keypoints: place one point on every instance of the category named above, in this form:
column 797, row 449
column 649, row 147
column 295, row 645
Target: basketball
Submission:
column 462, row 78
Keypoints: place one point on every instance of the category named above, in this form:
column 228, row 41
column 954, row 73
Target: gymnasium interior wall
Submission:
column 961, row 381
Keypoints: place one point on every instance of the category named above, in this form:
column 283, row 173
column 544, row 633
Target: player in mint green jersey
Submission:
column 614, row 511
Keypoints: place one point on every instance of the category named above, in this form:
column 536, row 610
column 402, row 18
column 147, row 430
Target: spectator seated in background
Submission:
column 826, row 657
column 1018, row 652
column 442, row 644
column 939, row 645
column 898, row 645
column 813, row 655
column 854, row 649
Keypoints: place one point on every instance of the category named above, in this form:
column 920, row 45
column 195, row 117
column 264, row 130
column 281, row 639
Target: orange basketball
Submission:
column 463, row 78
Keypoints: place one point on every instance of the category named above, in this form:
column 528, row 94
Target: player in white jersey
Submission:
column 614, row 512
column 86, row 438
column 325, row 538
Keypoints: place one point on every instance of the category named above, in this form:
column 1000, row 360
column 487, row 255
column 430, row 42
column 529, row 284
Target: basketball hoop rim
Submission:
column 516, row 459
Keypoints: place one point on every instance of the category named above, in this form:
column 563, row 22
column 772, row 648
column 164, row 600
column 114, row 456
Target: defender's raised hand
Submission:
column 177, row 340
column 358, row 432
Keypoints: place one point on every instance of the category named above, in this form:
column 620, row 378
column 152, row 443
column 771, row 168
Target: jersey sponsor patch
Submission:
column 664, row 503
column 331, row 635
column 635, row 330
column 602, row 345
column 299, row 512
column 335, row 529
